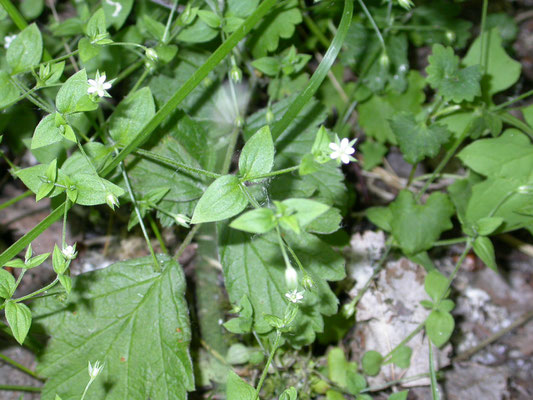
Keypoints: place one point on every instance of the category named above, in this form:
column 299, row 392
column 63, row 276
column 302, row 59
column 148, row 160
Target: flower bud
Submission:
column 384, row 60
column 151, row 54
column 69, row 252
column 236, row 74
column 291, row 277
column 182, row 220
column 94, row 370
column 407, row 4
column 269, row 116
column 111, row 201
column 308, row 283
column 450, row 36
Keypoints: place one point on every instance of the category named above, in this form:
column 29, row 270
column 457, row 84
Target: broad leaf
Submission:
column 73, row 97
column 237, row 389
column 485, row 250
column 8, row 91
column 260, row 220
column 223, row 199
column 439, row 327
column 452, row 82
column 117, row 11
column 257, row 156
column 7, row 284
column 46, row 133
column 401, row 357
column 18, row 317
column 93, row 190
column 127, row 316
column 416, row 227
column 26, row 50
column 435, row 284
column 416, row 139
column 502, row 71
column 131, row 115
column 253, row 266
column 371, row 362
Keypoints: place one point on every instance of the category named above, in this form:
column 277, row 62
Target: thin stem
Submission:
column 169, row 21
column 269, row 361
column 374, row 25
column 415, row 331
column 251, row 198
column 44, row 289
column 14, row 200
column 174, row 164
column 448, row 242
column 17, row 388
column 64, row 233
column 273, row 173
column 187, row 241
column 35, row 100
column 140, row 80
column 411, row 175
column 231, row 148
column 126, row 72
column 484, row 42
column 315, row 30
column 455, row 270
column 512, row 120
column 283, row 251
column 157, row 234
column 432, row 374
column 512, row 101
column 21, row 97
column 394, row 383
column 20, row 366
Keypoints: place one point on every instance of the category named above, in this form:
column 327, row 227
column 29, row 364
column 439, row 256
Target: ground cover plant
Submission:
column 245, row 142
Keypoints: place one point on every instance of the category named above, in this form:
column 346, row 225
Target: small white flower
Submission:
column 291, row 277
column 95, row 369
column 69, row 252
column 342, row 151
column 8, row 40
column 111, row 201
column 294, row 296
column 99, row 85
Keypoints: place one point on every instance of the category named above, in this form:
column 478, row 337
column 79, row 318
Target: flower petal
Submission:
column 345, row 158
column 334, row 146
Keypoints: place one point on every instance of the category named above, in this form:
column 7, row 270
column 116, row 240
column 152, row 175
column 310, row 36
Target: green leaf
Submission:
column 198, row 32
column 485, row 250
column 117, row 11
column 8, row 91
column 289, row 394
column 238, row 354
column 416, row 139
column 338, row 367
column 326, row 223
column 72, row 96
column 355, row 383
column 305, row 210
column 381, row 217
column 401, row 357
column 486, row 226
column 244, row 322
column 7, row 284
column 37, row 260
column 446, row 305
column 33, row 178
column 131, row 115
column 154, row 27
column 143, row 339
column 18, row 317
column 257, row 156
column 46, row 132
column 96, row 25
column 26, row 50
column 239, row 8
column 452, row 82
column 399, row 395
column 270, row 66
column 261, row 220
column 439, row 327
column 210, row 18
column 416, row 227
column 371, row 362
column 237, row 389
column 92, row 189
column 373, row 153
column 278, row 24
column 435, row 284
column 223, row 199
column 253, row 265
column 388, row 105
column 87, row 49
column 502, row 71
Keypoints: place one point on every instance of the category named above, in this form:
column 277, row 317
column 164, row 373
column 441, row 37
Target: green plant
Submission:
column 148, row 113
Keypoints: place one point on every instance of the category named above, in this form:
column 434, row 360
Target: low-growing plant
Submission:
column 231, row 122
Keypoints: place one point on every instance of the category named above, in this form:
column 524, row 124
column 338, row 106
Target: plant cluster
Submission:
column 231, row 122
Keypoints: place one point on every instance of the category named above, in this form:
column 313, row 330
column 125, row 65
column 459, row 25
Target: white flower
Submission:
column 8, row 40
column 182, row 220
column 407, row 4
column 95, row 369
column 294, row 296
column 99, row 85
column 291, row 277
column 342, row 151
column 69, row 252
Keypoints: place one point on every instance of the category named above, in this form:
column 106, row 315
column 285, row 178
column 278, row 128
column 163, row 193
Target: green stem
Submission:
column 419, row 327
column 157, row 234
column 21, row 97
column 16, row 388
column 251, row 198
column 449, row 154
column 374, row 25
column 14, row 200
column 432, row 374
column 283, row 251
column 126, row 72
column 512, row 101
column 169, row 22
column 269, row 361
column 394, row 383
column 41, row 290
column 273, row 173
column 315, row 30
column 140, row 80
column 187, row 241
column 512, row 120
column 174, row 164
column 448, row 242
column 484, row 42
column 20, row 366
column 231, row 148
column 319, row 74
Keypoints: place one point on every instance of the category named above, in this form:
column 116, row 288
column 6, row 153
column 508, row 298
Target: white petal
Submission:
column 91, row 90
column 101, row 93
column 345, row 159
column 334, row 155
column 334, row 146
column 101, row 80
column 345, row 143
column 349, row 150
column 92, row 82
column 107, row 85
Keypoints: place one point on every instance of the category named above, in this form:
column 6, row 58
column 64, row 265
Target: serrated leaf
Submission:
column 131, row 115
column 223, row 199
column 143, row 339
column 18, row 317
column 7, row 284
column 261, row 220
column 26, row 50
column 502, row 71
column 416, row 227
column 237, row 389
column 485, row 250
column 371, row 362
column 72, row 96
column 280, row 23
column 253, row 265
column 452, row 82
column 439, row 327
column 416, row 139
column 257, row 156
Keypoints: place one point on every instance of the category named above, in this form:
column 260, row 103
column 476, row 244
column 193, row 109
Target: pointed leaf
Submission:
column 26, row 50
column 485, row 250
column 439, row 327
column 7, row 284
column 260, row 220
column 257, row 156
column 18, row 317
column 237, row 389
